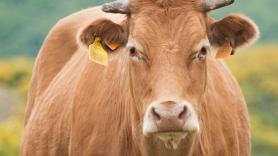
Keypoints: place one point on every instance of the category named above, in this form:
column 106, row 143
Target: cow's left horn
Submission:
column 118, row 6
column 215, row 4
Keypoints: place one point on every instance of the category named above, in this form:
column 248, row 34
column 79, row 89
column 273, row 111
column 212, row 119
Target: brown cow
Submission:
column 164, row 92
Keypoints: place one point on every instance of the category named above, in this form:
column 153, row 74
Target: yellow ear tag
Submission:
column 97, row 53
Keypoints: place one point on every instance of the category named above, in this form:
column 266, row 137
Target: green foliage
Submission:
column 25, row 23
column 10, row 134
column 264, row 138
column 15, row 73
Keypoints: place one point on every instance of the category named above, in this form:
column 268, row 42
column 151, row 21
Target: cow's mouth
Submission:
column 171, row 140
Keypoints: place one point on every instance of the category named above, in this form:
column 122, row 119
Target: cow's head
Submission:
column 169, row 43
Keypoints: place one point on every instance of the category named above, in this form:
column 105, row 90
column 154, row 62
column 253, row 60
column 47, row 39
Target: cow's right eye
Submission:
column 133, row 52
column 135, row 55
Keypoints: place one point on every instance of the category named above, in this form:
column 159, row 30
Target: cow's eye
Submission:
column 135, row 54
column 201, row 55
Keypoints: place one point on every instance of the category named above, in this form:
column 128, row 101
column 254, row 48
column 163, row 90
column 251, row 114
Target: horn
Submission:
column 118, row 6
column 215, row 4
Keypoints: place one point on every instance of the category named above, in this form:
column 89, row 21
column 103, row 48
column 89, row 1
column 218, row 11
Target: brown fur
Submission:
column 77, row 107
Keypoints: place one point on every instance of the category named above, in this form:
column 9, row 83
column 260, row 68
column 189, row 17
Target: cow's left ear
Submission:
column 231, row 33
column 112, row 35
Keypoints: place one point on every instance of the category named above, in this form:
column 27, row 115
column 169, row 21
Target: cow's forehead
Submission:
column 174, row 29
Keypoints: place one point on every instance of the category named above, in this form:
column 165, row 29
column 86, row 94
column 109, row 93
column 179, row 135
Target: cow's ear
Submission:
column 112, row 34
column 231, row 33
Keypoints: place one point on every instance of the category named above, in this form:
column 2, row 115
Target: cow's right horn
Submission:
column 118, row 6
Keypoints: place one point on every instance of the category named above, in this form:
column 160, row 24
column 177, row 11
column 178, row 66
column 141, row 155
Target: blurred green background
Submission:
column 25, row 23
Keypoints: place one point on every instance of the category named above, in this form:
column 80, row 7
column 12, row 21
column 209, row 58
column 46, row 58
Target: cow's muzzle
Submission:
column 170, row 121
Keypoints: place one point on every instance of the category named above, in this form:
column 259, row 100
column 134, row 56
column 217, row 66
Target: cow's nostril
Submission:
column 182, row 115
column 155, row 115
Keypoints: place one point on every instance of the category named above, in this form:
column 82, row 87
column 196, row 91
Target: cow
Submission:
column 166, row 90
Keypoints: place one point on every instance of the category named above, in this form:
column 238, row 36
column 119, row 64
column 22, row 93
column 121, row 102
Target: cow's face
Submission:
column 168, row 49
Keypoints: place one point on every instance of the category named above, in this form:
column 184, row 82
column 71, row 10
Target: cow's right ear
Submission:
column 109, row 32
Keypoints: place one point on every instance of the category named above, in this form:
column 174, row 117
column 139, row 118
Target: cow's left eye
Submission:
column 202, row 54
